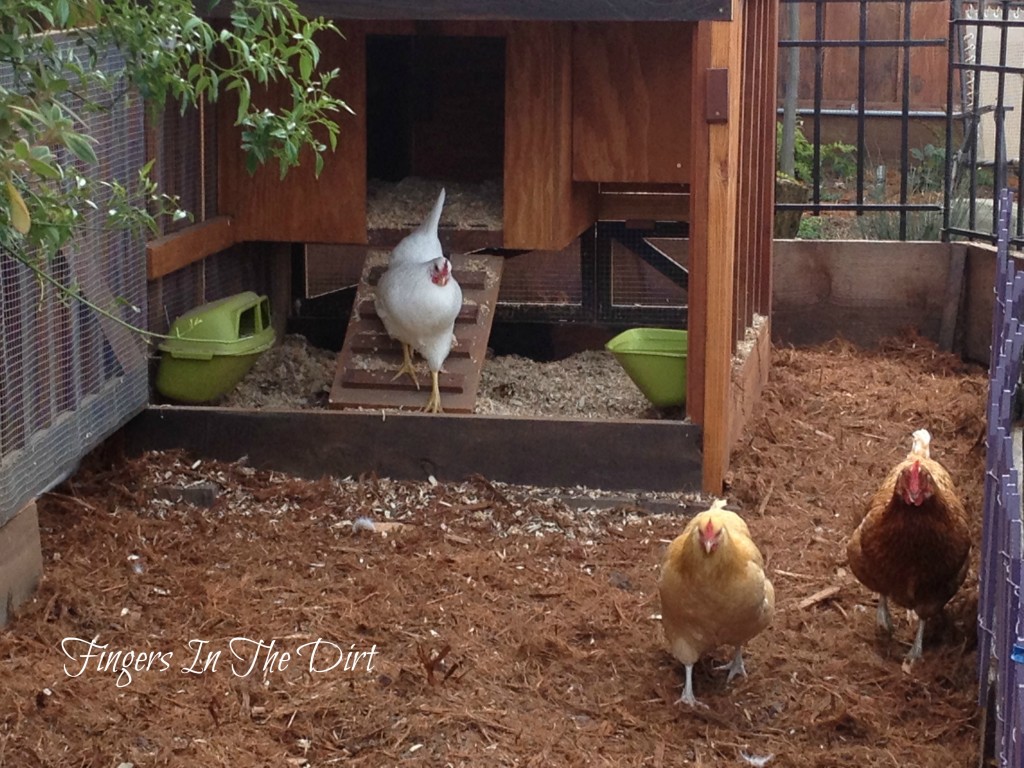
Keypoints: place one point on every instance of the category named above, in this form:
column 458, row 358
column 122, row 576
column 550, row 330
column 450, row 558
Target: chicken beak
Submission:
column 709, row 545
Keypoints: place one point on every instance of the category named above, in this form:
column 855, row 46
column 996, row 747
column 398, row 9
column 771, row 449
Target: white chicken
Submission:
column 418, row 300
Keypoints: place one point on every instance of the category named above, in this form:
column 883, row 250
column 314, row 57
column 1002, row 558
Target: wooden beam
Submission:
column 21, row 560
column 719, row 45
column 543, row 208
column 954, row 296
column 653, row 206
column 521, row 10
column 548, row 452
column 171, row 252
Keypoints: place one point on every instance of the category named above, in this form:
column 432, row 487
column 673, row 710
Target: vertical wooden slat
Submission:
column 769, row 37
column 697, row 305
column 746, row 209
column 719, row 45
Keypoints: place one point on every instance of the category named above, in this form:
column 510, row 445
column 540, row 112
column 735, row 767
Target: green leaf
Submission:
column 81, row 147
column 62, row 10
column 243, row 101
column 20, row 219
column 45, row 170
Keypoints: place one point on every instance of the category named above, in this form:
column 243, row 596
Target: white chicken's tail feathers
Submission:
column 433, row 220
column 921, row 445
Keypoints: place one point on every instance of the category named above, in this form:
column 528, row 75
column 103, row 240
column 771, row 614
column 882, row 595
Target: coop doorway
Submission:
column 435, row 116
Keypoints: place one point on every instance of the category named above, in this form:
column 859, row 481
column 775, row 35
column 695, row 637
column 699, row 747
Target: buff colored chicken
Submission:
column 913, row 544
column 713, row 591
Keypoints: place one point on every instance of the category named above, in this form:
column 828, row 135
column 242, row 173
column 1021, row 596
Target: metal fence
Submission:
column 69, row 377
column 911, row 111
column 986, row 77
column 887, row 59
column 1000, row 610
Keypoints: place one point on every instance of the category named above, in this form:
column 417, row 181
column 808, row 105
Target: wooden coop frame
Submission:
column 613, row 110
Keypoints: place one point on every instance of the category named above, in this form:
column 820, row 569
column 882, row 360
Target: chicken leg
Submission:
column 407, row 366
column 434, row 403
column 883, row 617
column 918, row 647
column 687, row 697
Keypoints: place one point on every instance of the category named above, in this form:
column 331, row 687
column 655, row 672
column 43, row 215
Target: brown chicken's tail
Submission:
column 920, row 447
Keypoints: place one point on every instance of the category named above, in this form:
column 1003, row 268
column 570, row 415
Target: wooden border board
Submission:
column 607, row 454
column 369, row 358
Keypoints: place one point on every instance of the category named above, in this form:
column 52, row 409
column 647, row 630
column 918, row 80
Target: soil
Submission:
column 508, row 627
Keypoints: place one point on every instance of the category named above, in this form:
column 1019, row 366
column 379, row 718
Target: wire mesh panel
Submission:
column 70, row 376
column 1000, row 610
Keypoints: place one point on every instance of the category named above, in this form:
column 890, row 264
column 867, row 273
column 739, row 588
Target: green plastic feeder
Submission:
column 214, row 346
column 655, row 359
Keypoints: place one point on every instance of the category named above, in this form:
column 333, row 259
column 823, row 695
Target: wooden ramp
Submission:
column 369, row 358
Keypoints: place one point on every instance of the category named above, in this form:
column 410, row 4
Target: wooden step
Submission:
column 369, row 358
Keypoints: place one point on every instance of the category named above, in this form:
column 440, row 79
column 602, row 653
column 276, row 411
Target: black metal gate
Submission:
column 985, row 130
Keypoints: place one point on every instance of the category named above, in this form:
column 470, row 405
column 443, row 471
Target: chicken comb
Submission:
column 921, row 444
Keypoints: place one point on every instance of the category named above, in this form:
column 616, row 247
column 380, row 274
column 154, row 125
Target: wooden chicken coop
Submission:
column 584, row 111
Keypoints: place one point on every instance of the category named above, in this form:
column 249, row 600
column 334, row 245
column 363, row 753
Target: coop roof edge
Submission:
column 510, row 10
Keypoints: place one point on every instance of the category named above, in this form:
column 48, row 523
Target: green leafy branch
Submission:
column 48, row 162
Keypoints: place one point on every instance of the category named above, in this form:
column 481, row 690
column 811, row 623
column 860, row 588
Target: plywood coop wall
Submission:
column 599, row 116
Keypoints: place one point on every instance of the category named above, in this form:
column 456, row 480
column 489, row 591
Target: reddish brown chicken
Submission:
column 913, row 545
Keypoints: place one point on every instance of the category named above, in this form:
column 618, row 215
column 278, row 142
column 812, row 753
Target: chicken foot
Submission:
column 434, row 403
column 407, row 366
column 735, row 666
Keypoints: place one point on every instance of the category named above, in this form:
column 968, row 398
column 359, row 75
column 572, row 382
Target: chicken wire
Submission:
column 71, row 377
column 186, row 145
column 247, row 267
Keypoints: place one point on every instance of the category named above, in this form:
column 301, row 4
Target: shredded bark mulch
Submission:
column 249, row 618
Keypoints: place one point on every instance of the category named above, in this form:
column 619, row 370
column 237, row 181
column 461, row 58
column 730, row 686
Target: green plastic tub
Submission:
column 655, row 359
column 214, row 346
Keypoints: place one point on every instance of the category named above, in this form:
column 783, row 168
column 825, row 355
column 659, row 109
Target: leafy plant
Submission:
column 49, row 175
column 838, row 159
column 803, row 153
column 929, row 170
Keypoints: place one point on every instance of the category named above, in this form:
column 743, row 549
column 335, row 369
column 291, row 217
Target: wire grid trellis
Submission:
column 185, row 147
column 1000, row 611
column 986, row 75
column 71, row 377
column 905, row 47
